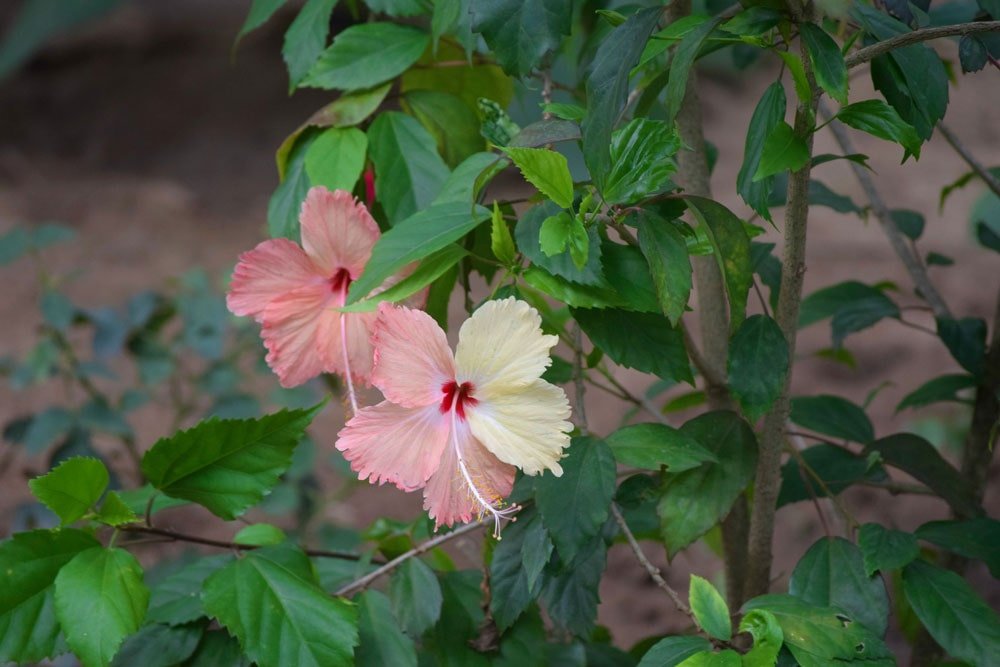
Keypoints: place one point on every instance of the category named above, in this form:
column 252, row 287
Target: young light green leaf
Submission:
column 114, row 511
column 272, row 592
column 305, row 39
column 758, row 363
column 770, row 111
column 336, row 158
column 72, row 488
column 884, row 550
column 767, row 638
column 415, row 596
column 710, row 611
column 827, row 61
column 879, row 119
column 521, row 32
column 643, row 341
column 783, row 151
column 547, row 170
column 724, row 658
column 413, row 239
column 367, row 54
column 100, row 600
column 651, row 446
column 260, row 535
column 528, row 233
column 565, row 230
column 227, row 466
column 29, row 563
column 501, row 242
column 382, row 642
column 430, row 269
column 641, row 160
column 798, row 71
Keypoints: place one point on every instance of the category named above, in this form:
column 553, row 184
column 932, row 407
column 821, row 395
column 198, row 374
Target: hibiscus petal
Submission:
column 337, row 231
column 412, row 357
column 267, row 272
column 292, row 332
column 448, row 498
column 389, row 443
column 502, row 345
column 359, row 346
column 526, row 427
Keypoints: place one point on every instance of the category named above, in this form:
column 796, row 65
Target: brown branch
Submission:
column 982, row 172
column 862, row 56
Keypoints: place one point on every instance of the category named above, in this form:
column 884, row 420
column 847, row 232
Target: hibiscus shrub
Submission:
column 390, row 207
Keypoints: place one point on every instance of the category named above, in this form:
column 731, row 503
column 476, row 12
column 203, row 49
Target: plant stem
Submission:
column 862, row 56
column 982, row 172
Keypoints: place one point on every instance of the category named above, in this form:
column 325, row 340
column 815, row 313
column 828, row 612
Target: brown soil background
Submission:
column 142, row 135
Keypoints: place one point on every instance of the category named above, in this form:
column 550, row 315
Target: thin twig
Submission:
column 991, row 181
column 365, row 581
column 223, row 544
column 862, row 56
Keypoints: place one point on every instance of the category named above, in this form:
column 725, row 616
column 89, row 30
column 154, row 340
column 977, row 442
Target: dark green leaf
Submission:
column 837, row 467
column 758, row 363
column 29, row 563
column 651, row 446
column 382, row 641
column 827, row 61
column 666, row 253
column 833, row 416
column 306, row 39
column 138, row 500
column 452, row 123
column 546, row 132
column 528, row 234
column 819, row 195
column 286, row 202
column 709, row 609
column 336, row 158
column 397, row 8
column 695, row 500
column 218, row 649
column 522, row 32
column 885, row 550
column 957, row 618
column 260, row 12
column 643, row 341
column 157, row 645
column 415, row 238
column 966, row 340
column 852, row 305
column 100, row 600
column 642, row 161
column 570, row 592
column 227, row 466
column 975, row 538
column 972, row 54
column 470, row 178
column 72, row 488
column 272, row 593
column 782, row 151
column 769, row 112
column 910, row 223
column 177, row 599
column 919, row 459
column 513, row 591
column 415, row 596
column 832, row 574
column 409, row 173
column 575, row 505
column 672, row 651
column 366, row 54
column 880, row 120
column 942, row 388
column 683, row 62
column 987, row 237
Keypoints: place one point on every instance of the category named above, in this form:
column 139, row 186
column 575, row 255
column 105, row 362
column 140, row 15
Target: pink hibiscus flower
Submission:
column 294, row 291
column 458, row 425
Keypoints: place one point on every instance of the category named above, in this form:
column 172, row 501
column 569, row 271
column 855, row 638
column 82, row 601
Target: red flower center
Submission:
column 459, row 395
column 340, row 281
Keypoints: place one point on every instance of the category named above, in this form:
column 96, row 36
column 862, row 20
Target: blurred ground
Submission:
column 141, row 134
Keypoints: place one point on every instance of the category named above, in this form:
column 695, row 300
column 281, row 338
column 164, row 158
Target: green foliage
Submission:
column 758, row 362
column 783, row 151
column 157, row 645
column 833, row 416
column 176, row 600
column 453, row 123
column 516, row 566
column 336, row 158
column 641, row 161
column 306, row 39
column 528, row 234
column 884, row 549
column 547, row 170
column 72, row 488
column 879, row 119
column 672, row 651
column 853, row 306
column 770, row 111
column 767, row 638
column 709, row 609
column 666, row 252
column 942, row 388
column 366, row 55
column 835, row 467
column 975, row 538
column 651, row 446
column 827, row 62
column 521, row 32
column 260, row 535
column 643, row 341
column 381, row 640
column 415, row 596
column 227, row 465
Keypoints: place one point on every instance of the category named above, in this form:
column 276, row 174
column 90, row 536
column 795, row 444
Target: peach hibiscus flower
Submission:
column 459, row 425
column 293, row 291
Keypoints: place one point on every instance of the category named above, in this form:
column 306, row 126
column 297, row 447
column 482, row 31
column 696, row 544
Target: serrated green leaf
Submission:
column 672, row 651
column 227, row 466
column 547, row 170
column 218, row 649
column 114, row 511
column 501, row 242
column 666, row 253
column 803, row 91
column 783, row 151
column 72, row 488
column 305, row 39
column 415, row 596
column 46, row 427
column 29, row 563
column 100, row 600
column 509, row 574
column 468, row 179
column 270, row 601
column 758, row 363
column 522, row 32
column 642, row 160
column 770, row 111
column 710, row 611
column 651, row 446
column 643, row 341
column 382, row 643
column 138, row 500
column 827, row 61
column 570, row 592
column 177, row 599
column 880, row 120
column 367, row 54
column 884, row 550
column 336, row 158
column 833, row 416
column 157, row 645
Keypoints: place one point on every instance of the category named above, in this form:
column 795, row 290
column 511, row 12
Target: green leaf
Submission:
column 573, row 112
column 409, row 173
column 286, row 202
column 218, row 649
column 833, row 416
column 758, row 363
column 138, row 500
column 382, row 643
column 710, row 611
column 643, row 341
column 942, row 388
column 114, row 511
column 72, row 488
column 57, row 310
column 473, row 84
column 666, row 253
column 957, row 618
column 510, row 579
column 564, row 230
column 732, row 251
column 430, row 269
column 159, row 645
column 528, row 234
column 642, row 160
column 29, row 563
column 853, row 306
column 910, row 223
column 919, row 459
column 769, row 112
column 397, row 8
column 272, row 593
column 820, row 636
column 306, row 39
column 547, row 170
column 501, row 242
column 767, row 638
column 607, row 87
column 453, row 123
column 367, row 54
column 229, row 465
column 724, row 658
column 416, row 597
column 975, row 538
column 783, row 151
column 522, row 32
column 885, row 550
column 572, row 294
column 651, row 446
column 336, row 158
column 260, row 12
column 672, row 651
column 837, row 467
column 880, row 120
column 575, row 505
column 827, row 61
column 966, row 340
column 570, row 591
column 693, row 501
column 260, row 535
column 413, row 239
column 46, row 427
column 544, row 132
column 683, row 62
column 100, row 600
column 177, row 599
column 832, row 574
column 798, row 71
